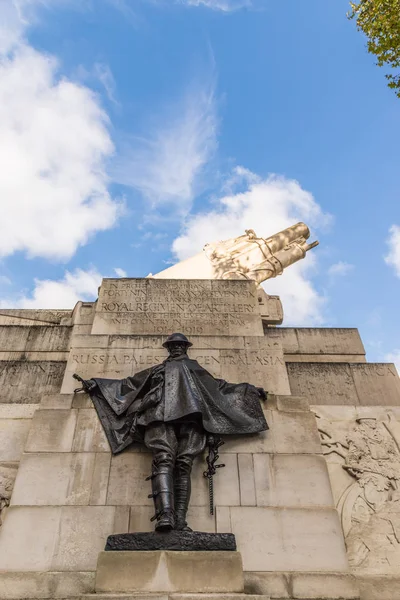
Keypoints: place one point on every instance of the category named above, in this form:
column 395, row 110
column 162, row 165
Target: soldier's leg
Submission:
column 191, row 442
column 161, row 439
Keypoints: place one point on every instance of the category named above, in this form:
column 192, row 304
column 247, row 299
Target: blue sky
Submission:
column 132, row 132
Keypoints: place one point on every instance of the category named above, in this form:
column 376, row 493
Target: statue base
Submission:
column 166, row 571
column 188, row 541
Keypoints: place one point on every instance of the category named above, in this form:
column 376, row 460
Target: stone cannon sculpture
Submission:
column 245, row 257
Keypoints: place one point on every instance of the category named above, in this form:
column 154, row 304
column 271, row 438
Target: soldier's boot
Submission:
column 183, row 469
column 182, row 497
column 162, row 485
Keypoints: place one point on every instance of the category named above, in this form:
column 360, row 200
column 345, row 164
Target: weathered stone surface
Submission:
column 17, row 411
column 101, row 473
column 15, row 586
column 56, row 401
column 39, row 338
column 89, row 434
column 318, row 340
column 127, row 485
column 310, row 586
column 217, row 597
column 81, row 400
column 324, row 585
column 83, row 315
column 139, row 519
column 277, row 585
column 59, row 479
column 52, row 431
column 54, row 538
column 323, row 383
column 348, row 384
column 292, row 481
column 294, row 433
column 377, row 384
column 13, row 435
column 246, row 480
column 27, row 317
column 292, row 404
column 24, row 382
column 188, row 541
column 283, row 539
column 223, row 519
column 30, row 357
column 202, row 572
column 83, row 532
column 199, row 519
column 254, row 359
column 149, row 306
column 131, row 596
column 379, row 587
column 121, row 519
column 29, row 528
column 289, row 433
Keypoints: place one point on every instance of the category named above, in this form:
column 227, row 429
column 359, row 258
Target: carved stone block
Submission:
column 197, row 307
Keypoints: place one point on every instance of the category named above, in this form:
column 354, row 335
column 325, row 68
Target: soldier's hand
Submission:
column 87, row 384
column 262, row 393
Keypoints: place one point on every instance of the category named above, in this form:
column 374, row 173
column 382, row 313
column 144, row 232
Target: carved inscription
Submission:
column 263, row 366
column 250, row 359
column 195, row 307
column 23, row 382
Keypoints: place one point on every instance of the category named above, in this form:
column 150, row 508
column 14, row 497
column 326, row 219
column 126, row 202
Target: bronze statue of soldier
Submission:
column 173, row 408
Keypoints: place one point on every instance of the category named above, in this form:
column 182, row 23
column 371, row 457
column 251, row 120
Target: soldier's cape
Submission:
column 177, row 389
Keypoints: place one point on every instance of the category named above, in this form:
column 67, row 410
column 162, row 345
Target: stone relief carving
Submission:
column 8, row 473
column 368, row 497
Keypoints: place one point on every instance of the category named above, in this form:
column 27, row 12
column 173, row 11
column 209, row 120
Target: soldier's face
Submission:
column 177, row 349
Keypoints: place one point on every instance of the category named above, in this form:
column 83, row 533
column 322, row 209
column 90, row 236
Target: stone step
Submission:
column 170, row 572
column 174, row 596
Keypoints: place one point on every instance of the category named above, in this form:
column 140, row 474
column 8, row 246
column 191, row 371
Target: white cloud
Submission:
column 394, row 357
column 104, row 74
column 267, row 206
column 54, row 143
column 64, row 293
column 340, row 269
column 120, row 272
column 224, row 5
column 167, row 165
column 393, row 257
column 53, row 146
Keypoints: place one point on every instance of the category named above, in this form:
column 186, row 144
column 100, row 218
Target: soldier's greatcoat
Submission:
column 177, row 390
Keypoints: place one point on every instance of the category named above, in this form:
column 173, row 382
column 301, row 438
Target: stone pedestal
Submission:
column 169, row 571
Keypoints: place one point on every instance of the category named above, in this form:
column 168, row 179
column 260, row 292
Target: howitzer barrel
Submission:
column 286, row 236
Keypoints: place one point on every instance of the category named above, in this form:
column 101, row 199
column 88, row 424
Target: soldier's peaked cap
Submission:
column 176, row 337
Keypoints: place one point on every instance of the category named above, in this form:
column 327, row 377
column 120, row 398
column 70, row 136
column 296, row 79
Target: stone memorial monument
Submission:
column 307, row 509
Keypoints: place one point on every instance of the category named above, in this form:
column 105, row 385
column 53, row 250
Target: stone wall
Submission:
column 350, row 384
column 70, row 494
